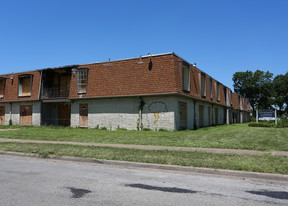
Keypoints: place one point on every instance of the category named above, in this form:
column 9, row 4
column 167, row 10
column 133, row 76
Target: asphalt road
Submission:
column 29, row 181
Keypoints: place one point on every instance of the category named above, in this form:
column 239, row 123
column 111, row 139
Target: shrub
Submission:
column 103, row 128
column 146, row 129
column 260, row 124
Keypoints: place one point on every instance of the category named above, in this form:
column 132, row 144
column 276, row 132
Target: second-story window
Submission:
column 210, row 87
column 225, row 95
column 82, row 80
column 2, row 87
column 218, row 92
column 231, row 98
column 185, row 76
column 203, row 85
column 25, row 85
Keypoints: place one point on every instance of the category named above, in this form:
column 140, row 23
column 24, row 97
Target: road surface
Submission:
column 31, row 181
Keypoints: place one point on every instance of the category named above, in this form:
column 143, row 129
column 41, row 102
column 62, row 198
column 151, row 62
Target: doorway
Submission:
column 26, row 115
column 2, row 115
column 183, row 115
column 83, row 115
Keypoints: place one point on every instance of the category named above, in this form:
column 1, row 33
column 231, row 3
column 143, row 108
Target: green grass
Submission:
column 236, row 136
column 253, row 163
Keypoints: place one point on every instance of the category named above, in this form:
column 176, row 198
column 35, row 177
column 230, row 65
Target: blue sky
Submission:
column 222, row 37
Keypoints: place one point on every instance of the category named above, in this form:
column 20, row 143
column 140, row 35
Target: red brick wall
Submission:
column 235, row 101
column 11, row 87
column 128, row 77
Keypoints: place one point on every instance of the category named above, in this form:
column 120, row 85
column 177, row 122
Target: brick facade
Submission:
column 114, row 90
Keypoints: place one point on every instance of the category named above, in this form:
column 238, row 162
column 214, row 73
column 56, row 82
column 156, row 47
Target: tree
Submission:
column 280, row 92
column 256, row 87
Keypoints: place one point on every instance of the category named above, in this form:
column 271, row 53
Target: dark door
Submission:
column 201, row 116
column 216, row 116
column 63, row 115
column 2, row 114
column 183, row 115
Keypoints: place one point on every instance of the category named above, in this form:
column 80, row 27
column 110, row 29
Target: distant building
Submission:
column 154, row 91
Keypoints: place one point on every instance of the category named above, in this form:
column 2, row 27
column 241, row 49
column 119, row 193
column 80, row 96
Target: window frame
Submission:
column 203, row 90
column 218, row 91
column 20, row 82
column 211, row 88
column 225, row 95
column 4, row 84
column 185, row 81
column 78, row 81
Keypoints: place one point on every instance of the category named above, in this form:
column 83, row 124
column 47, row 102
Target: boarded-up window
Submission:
column 82, row 80
column 185, row 76
column 225, row 95
column 2, row 87
column 26, row 115
column 218, row 92
column 25, row 85
column 210, row 87
column 203, row 85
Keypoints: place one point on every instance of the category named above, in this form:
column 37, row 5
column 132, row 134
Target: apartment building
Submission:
column 156, row 91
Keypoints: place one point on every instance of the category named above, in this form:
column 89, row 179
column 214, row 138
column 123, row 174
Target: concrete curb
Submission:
column 173, row 168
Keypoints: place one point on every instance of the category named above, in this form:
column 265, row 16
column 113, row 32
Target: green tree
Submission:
column 254, row 86
column 280, row 92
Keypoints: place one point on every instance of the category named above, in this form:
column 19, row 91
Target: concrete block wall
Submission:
column 14, row 114
column 111, row 113
column 159, row 112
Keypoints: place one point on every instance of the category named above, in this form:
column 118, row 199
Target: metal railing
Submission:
column 54, row 92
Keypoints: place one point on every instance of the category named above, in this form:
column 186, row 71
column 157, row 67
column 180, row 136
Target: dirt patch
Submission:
column 9, row 129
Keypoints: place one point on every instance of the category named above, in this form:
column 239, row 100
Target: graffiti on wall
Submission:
column 156, row 108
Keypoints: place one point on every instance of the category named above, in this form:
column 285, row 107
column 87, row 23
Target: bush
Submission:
column 260, row 124
column 103, row 128
column 162, row 130
column 283, row 122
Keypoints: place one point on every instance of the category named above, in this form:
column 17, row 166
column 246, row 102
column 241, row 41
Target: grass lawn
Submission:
column 255, row 163
column 235, row 136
